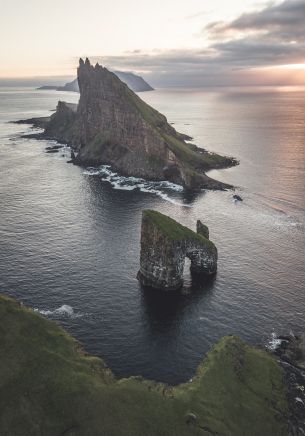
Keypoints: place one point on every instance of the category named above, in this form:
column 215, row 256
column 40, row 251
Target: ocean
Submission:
column 70, row 236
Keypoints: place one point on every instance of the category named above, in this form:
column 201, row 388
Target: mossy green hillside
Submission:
column 183, row 151
column 172, row 229
column 49, row 387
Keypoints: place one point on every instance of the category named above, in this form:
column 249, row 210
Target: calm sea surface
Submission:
column 70, row 240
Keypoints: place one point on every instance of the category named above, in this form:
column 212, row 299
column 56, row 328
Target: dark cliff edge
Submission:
column 49, row 386
column 290, row 350
column 133, row 81
column 112, row 125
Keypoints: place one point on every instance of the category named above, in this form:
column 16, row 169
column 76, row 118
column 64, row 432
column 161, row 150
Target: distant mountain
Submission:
column 134, row 82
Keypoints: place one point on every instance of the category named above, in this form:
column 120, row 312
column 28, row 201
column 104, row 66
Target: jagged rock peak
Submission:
column 164, row 246
column 114, row 126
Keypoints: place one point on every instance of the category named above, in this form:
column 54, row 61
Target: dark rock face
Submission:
column 291, row 352
column 164, row 246
column 202, row 229
column 112, row 125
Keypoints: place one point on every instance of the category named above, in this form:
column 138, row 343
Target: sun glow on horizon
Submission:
column 293, row 66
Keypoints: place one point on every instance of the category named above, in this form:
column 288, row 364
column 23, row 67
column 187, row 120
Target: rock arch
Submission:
column 164, row 246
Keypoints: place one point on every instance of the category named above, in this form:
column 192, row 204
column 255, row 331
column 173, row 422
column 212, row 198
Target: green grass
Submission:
column 183, row 151
column 48, row 387
column 172, row 229
column 238, row 390
column 151, row 115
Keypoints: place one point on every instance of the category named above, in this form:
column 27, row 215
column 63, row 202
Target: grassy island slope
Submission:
column 172, row 229
column 49, row 387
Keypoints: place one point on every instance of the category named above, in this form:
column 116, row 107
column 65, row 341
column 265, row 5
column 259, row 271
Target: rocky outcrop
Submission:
column 290, row 349
column 164, row 246
column 134, row 82
column 40, row 122
column 202, row 229
column 113, row 126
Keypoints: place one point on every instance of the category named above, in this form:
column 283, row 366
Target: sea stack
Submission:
column 164, row 246
column 113, row 126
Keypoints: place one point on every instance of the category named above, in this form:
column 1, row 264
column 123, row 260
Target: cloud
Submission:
column 282, row 21
column 272, row 36
column 199, row 14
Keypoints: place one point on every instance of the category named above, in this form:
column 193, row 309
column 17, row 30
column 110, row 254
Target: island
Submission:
column 133, row 81
column 164, row 246
column 112, row 125
column 50, row 386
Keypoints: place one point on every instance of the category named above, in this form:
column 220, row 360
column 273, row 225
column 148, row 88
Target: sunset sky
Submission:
column 169, row 42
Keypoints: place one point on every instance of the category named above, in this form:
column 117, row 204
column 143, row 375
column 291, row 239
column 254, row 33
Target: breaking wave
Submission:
column 117, row 181
column 63, row 311
column 273, row 342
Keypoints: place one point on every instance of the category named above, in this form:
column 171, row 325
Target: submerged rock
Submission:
column 202, row 229
column 237, row 197
column 164, row 246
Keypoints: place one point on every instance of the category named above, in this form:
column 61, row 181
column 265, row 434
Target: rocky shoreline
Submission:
column 290, row 352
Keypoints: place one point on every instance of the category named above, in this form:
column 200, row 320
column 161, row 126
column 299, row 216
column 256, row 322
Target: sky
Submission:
column 169, row 42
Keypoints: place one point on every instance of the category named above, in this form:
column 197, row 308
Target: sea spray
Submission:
column 61, row 312
column 135, row 183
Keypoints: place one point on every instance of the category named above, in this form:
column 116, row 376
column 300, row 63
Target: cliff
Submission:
column 112, row 125
column 50, row 387
column 134, row 82
column 164, row 246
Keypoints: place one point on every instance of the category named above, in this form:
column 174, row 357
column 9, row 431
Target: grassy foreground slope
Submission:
column 49, row 387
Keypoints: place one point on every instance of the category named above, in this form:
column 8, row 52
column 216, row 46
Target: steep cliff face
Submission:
column 164, row 246
column 112, row 125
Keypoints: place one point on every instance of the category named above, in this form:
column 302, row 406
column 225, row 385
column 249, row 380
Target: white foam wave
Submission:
column 63, row 311
column 274, row 342
column 91, row 172
column 135, row 183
